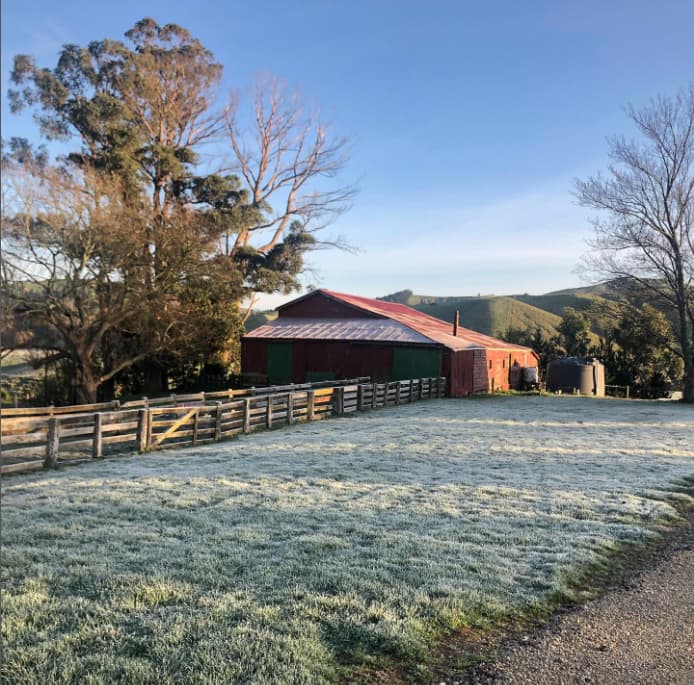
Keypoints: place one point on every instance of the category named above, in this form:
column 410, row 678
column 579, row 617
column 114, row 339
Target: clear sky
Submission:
column 469, row 120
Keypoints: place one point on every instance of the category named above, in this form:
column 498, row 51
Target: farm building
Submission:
column 327, row 335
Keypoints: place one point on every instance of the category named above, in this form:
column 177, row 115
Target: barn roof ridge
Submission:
column 424, row 324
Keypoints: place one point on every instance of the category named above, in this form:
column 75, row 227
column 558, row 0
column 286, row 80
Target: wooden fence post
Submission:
column 150, row 428
column 411, row 396
column 290, row 408
column 374, row 395
column 53, row 443
column 398, row 392
column 247, row 415
column 217, row 422
column 339, row 393
column 196, row 424
column 97, row 442
column 268, row 414
column 310, row 404
column 142, row 421
column 360, row 397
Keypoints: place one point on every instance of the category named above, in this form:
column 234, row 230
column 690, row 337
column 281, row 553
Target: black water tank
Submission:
column 583, row 375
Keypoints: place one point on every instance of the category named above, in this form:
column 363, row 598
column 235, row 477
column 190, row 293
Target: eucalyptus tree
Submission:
column 141, row 110
column 138, row 112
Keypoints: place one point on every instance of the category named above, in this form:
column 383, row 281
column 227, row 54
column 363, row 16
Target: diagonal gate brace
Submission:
column 184, row 419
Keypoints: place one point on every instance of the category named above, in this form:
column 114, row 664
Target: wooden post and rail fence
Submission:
column 43, row 438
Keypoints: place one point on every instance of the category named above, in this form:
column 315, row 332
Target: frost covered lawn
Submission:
column 287, row 556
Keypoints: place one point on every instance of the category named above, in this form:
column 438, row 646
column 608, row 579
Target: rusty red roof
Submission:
column 371, row 330
column 433, row 329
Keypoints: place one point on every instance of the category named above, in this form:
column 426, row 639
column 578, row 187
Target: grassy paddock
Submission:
column 294, row 556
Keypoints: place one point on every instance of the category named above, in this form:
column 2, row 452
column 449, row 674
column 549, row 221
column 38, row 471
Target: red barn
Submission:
column 327, row 335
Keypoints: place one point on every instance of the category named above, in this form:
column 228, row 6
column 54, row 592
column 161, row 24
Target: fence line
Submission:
column 171, row 400
column 625, row 390
column 34, row 442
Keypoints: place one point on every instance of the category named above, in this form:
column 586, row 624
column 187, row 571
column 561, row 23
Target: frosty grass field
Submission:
column 291, row 556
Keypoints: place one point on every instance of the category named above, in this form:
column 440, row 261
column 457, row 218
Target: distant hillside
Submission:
column 489, row 314
column 492, row 314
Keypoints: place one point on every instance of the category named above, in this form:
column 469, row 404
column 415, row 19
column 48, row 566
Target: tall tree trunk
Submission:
column 86, row 384
column 688, row 392
column 107, row 390
column 154, row 380
column 686, row 334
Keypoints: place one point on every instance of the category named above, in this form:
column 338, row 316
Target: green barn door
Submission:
column 279, row 363
column 415, row 363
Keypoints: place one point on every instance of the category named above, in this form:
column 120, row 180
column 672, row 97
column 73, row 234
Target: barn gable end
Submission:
column 320, row 305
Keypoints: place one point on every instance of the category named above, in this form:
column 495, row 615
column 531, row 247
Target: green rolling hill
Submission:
column 494, row 314
column 490, row 315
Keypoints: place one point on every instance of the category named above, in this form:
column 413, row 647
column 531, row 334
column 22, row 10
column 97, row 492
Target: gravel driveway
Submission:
column 641, row 632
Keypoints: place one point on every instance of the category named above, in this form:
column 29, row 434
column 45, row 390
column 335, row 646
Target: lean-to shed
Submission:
column 326, row 335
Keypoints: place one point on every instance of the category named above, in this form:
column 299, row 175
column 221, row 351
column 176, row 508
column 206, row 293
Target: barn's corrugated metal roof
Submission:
column 398, row 320
column 371, row 330
column 434, row 329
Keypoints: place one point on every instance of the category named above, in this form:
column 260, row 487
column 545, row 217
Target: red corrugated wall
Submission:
column 458, row 368
column 254, row 356
column 468, row 371
column 499, row 362
column 344, row 359
column 482, row 371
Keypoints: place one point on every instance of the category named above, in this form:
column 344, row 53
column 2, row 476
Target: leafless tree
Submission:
column 285, row 161
column 644, row 230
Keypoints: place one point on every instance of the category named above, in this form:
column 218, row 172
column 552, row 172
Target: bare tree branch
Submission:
column 286, row 163
column 644, row 230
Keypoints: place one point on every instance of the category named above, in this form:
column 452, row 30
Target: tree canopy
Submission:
column 198, row 244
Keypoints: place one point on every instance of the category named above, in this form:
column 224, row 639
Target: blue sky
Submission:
column 469, row 121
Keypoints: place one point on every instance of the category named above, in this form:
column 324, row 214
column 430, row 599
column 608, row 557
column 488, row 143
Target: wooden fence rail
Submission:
column 36, row 442
column 172, row 400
